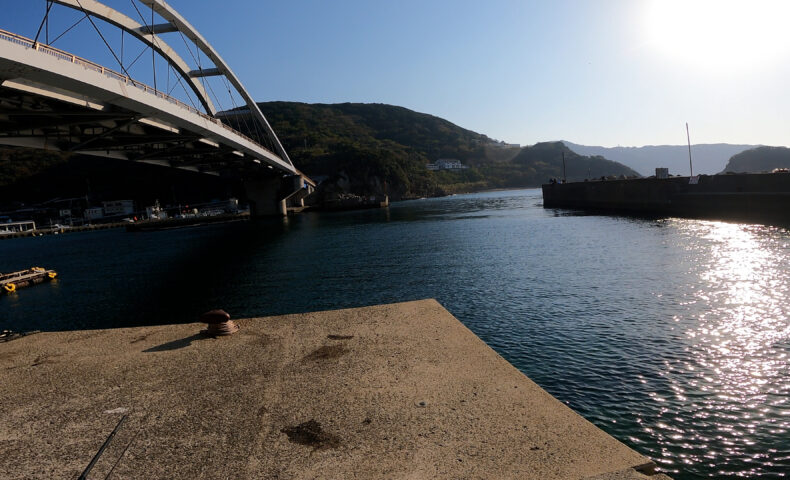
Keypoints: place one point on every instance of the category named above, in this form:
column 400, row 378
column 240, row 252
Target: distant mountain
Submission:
column 707, row 158
column 377, row 148
column 547, row 159
column 760, row 159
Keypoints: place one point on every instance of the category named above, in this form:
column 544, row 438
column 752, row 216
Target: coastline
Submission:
column 486, row 190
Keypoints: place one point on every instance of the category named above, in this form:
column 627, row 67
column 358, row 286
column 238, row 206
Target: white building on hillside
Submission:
column 446, row 164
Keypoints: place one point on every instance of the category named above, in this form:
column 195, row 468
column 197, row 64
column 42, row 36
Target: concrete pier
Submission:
column 392, row 391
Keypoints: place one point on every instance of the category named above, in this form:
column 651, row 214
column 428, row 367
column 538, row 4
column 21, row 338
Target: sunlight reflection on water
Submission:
column 730, row 387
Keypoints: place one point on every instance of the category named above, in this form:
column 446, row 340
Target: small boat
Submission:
column 10, row 282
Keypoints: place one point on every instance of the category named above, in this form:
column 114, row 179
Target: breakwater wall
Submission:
column 744, row 197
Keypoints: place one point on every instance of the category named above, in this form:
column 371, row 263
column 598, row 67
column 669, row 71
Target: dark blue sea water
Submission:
column 672, row 335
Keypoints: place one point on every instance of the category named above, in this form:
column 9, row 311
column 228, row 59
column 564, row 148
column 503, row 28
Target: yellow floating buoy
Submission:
column 52, row 274
column 9, row 287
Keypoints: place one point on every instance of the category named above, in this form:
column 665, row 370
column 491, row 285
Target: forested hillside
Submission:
column 384, row 149
column 761, row 159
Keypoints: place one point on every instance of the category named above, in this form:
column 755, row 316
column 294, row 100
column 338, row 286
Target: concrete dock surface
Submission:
column 400, row 391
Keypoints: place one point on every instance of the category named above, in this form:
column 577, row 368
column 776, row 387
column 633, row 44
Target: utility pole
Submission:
column 688, row 137
column 564, row 177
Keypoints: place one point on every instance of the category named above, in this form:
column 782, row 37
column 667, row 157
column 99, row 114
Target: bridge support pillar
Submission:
column 265, row 197
column 274, row 196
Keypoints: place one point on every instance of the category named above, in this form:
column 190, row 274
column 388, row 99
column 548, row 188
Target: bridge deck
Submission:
column 73, row 85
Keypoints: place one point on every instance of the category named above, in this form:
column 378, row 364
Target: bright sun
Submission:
column 718, row 35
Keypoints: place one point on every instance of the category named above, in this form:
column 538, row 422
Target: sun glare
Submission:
column 719, row 34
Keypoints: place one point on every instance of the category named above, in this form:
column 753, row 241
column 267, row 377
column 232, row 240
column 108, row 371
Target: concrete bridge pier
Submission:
column 264, row 197
column 274, row 195
column 299, row 187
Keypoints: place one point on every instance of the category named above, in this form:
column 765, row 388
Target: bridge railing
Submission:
column 63, row 55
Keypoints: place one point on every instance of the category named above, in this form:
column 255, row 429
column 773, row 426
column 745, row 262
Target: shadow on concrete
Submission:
column 176, row 344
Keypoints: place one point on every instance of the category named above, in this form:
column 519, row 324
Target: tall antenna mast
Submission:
column 688, row 137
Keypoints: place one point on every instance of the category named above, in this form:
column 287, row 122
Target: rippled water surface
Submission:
column 672, row 335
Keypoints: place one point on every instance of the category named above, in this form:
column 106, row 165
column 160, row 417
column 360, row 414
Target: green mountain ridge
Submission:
column 384, row 149
column 760, row 159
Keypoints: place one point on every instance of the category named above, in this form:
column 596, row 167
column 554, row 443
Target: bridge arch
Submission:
column 129, row 25
column 169, row 14
column 149, row 34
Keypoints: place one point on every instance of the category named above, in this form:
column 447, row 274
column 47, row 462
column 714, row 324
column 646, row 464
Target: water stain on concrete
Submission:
column 83, row 336
column 257, row 339
column 141, row 338
column 327, row 352
column 340, row 337
column 310, row 433
column 44, row 359
column 4, row 356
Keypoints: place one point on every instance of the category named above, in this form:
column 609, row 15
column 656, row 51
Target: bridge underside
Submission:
column 57, row 122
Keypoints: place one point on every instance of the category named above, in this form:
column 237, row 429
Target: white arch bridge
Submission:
column 55, row 100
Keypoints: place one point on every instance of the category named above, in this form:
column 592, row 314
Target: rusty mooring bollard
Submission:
column 219, row 323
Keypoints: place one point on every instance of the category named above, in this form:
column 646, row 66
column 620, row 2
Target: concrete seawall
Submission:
column 746, row 197
column 392, row 391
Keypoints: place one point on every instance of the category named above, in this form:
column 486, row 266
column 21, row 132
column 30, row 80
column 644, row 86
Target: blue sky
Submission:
column 606, row 72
